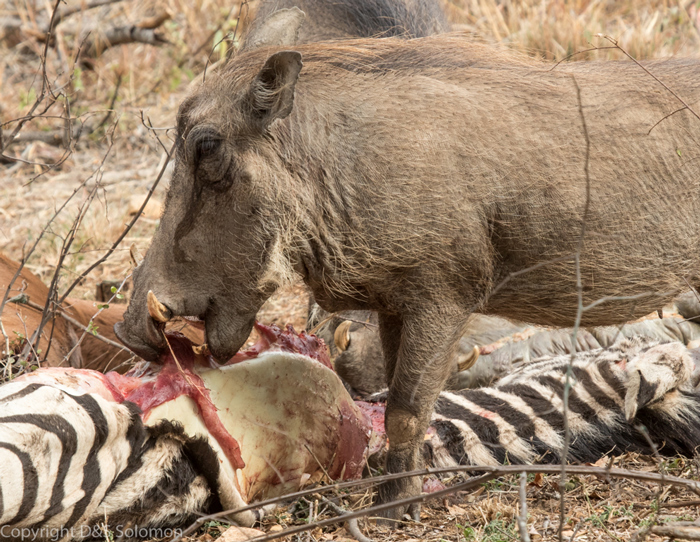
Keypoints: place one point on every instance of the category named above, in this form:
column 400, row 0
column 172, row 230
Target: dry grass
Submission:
column 556, row 29
column 598, row 510
column 155, row 79
column 124, row 157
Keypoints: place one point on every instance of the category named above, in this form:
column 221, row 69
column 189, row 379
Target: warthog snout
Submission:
column 147, row 342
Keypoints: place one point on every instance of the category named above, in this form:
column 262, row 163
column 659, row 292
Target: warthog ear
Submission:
column 280, row 29
column 272, row 92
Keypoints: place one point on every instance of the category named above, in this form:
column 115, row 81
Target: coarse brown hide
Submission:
column 425, row 179
column 344, row 19
column 21, row 321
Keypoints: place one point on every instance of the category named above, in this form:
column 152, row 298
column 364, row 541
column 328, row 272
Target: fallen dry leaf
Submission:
column 474, row 494
column 534, row 534
column 456, row 511
column 538, row 481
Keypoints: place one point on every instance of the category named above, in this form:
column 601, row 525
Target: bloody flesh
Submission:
column 174, row 376
column 286, row 340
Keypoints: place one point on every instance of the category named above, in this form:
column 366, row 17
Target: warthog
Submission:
column 424, row 179
column 342, row 19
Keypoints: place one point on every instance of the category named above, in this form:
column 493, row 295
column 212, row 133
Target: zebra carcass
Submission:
column 158, row 447
column 166, row 442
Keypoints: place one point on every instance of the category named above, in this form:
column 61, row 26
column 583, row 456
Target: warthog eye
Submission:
column 206, row 147
column 209, row 158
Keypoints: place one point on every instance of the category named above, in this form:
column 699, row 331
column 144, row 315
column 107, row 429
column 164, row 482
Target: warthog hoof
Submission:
column 394, row 491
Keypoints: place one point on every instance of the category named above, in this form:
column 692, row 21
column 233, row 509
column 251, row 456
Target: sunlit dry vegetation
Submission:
column 111, row 94
column 557, row 29
column 80, row 114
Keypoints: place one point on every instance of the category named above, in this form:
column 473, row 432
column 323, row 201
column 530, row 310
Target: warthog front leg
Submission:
column 418, row 351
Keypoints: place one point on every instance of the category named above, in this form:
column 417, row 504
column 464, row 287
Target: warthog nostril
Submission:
column 158, row 311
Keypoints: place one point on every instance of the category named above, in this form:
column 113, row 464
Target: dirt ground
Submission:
column 120, row 106
column 596, row 510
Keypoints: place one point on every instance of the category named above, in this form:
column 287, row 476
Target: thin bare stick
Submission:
column 680, row 504
column 665, row 117
column 213, row 33
column 121, row 35
column 579, row 315
column 6, row 357
column 490, row 473
column 112, row 103
column 580, row 53
column 522, row 517
column 92, row 331
column 643, row 533
column 675, row 95
column 124, row 233
column 25, row 300
column 351, row 525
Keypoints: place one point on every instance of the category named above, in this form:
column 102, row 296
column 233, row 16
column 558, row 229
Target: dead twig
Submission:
column 23, row 299
column 121, row 35
column 112, row 102
column 213, row 33
column 351, row 525
column 124, row 232
column 680, row 504
column 669, row 89
column 90, row 329
column 579, row 53
column 678, row 531
column 580, row 309
column 522, row 517
column 489, row 474
column 643, row 533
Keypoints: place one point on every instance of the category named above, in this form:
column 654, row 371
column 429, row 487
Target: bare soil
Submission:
column 125, row 101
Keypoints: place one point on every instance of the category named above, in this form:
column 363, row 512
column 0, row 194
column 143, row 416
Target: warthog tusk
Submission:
column 158, row 311
column 469, row 361
column 136, row 257
column 203, row 349
column 341, row 337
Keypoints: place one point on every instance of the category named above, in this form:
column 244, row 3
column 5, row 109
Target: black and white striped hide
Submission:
column 70, row 460
column 520, row 419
